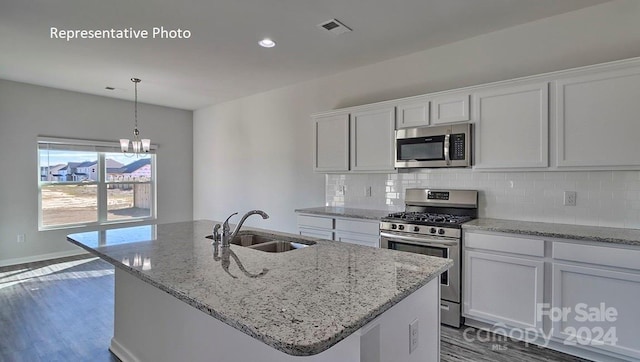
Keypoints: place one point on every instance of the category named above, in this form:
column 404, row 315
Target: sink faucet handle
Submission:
column 225, row 227
column 216, row 233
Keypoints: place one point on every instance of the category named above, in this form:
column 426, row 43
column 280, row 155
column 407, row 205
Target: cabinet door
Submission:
column 598, row 119
column 512, row 128
column 331, row 151
column 372, row 139
column 414, row 113
column 450, row 108
column 503, row 289
column 581, row 288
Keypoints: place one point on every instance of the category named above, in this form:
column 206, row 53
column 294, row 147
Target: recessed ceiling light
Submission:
column 267, row 43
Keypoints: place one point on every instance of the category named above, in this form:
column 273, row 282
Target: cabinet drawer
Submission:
column 360, row 239
column 315, row 233
column 504, row 243
column 356, row 226
column 601, row 255
column 315, row 221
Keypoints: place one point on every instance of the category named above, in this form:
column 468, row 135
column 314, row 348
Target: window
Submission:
column 86, row 183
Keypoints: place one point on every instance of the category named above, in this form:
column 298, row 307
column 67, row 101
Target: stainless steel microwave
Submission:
column 439, row 146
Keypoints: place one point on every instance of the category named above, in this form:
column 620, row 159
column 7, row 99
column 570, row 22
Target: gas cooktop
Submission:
column 427, row 218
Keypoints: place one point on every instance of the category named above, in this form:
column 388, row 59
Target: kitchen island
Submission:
column 179, row 298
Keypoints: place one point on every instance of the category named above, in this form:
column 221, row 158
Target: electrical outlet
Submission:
column 367, row 191
column 21, row 238
column 413, row 336
column 570, row 198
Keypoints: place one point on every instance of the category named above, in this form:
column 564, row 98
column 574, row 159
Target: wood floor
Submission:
column 62, row 310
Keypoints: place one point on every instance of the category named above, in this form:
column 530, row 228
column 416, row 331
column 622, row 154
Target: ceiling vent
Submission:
column 334, row 27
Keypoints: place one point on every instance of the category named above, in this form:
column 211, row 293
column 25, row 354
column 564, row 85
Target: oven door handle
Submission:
column 419, row 241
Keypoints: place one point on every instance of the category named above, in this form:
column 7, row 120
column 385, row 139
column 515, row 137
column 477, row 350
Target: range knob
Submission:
column 394, row 226
column 400, row 227
column 416, row 229
column 432, row 230
column 441, row 231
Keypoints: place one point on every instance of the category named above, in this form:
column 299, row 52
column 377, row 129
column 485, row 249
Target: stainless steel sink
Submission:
column 267, row 242
column 278, row 246
column 249, row 239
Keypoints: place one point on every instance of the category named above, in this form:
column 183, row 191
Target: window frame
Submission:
column 102, row 148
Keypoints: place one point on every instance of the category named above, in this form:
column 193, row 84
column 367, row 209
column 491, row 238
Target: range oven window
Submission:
column 421, row 148
column 425, row 250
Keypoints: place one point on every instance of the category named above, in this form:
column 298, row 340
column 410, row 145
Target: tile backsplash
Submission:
column 604, row 198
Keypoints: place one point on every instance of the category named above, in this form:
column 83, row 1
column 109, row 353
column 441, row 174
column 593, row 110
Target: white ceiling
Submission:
column 222, row 60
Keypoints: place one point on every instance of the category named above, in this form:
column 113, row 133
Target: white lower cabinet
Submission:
column 587, row 302
column 597, row 306
column 503, row 288
column 348, row 230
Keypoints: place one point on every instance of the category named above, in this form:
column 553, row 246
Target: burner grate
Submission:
column 426, row 217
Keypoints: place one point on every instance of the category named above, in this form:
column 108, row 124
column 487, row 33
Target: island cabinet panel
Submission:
column 590, row 283
column 372, row 140
column 412, row 113
column 450, row 108
column 512, row 126
column 597, row 119
column 152, row 325
column 331, row 152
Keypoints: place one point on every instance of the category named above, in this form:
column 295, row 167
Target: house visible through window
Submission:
column 84, row 183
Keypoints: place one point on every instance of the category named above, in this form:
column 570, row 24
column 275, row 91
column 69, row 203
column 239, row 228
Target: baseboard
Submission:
column 41, row 257
column 122, row 352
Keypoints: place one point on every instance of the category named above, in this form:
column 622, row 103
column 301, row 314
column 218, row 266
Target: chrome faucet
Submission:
column 227, row 236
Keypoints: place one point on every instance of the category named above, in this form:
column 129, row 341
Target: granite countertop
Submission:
column 305, row 301
column 561, row 231
column 345, row 212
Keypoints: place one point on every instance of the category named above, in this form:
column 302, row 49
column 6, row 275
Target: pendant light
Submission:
column 138, row 145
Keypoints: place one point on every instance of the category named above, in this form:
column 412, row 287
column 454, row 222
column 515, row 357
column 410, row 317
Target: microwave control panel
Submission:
column 457, row 146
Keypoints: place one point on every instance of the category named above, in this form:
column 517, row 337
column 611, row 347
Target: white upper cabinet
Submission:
column 598, row 119
column 360, row 141
column 372, row 140
column 450, row 108
column 331, row 143
column 512, row 126
column 413, row 113
column 591, row 122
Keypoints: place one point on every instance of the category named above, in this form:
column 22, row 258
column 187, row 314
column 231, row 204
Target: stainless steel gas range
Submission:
column 431, row 225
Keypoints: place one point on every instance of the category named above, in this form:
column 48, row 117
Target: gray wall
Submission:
column 28, row 111
column 256, row 152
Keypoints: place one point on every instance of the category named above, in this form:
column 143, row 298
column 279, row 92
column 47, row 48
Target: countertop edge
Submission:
column 571, row 232
column 346, row 212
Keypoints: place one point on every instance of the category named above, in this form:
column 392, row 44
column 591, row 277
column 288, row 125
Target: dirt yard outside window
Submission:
column 73, row 204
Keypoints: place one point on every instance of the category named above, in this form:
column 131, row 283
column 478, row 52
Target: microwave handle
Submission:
column 447, row 159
